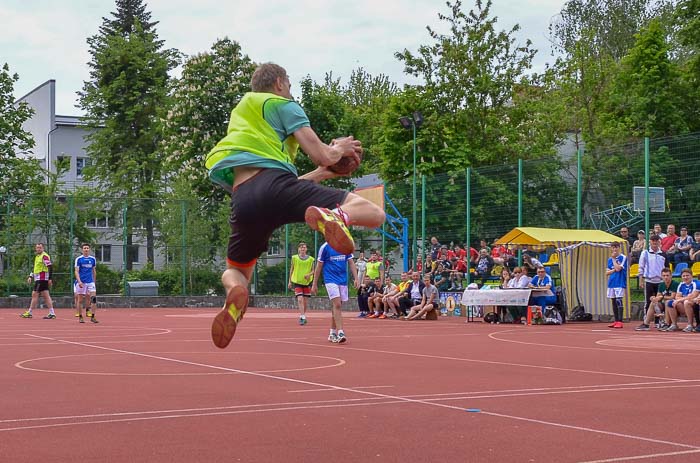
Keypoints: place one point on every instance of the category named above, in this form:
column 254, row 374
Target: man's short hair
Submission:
column 614, row 244
column 666, row 270
column 654, row 238
column 265, row 77
column 301, row 243
column 83, row 245
column 686, row 270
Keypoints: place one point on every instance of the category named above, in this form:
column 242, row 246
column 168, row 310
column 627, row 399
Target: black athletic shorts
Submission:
column 41, row 285
column 270, row 199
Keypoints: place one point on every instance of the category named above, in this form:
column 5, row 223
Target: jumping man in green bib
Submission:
column 255, row 163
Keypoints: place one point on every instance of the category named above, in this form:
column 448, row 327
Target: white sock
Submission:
column 341, row 332
column 51, row 312
column 303, row 316
column 332, row 331
column 342, row 214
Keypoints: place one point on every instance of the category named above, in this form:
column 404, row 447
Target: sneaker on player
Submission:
column 672, row 328
column 88, row 313
column 333, row 337
column 302, row 321
column 382, row 316
column 26, row 314
column 618, row 325
column 81, row 320
column 362, row 315
column 93, row 319
column 643, row 327
column 333, row 228
column 341, row 338
column 688, row 329
column 224, row 325
column 50, row 316
column 77, row 314
column 612, row 325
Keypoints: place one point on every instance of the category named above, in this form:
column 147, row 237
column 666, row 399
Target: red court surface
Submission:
column 149, row 386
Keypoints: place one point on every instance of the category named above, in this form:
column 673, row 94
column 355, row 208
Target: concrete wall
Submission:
column 42, row 100
column 279, row 302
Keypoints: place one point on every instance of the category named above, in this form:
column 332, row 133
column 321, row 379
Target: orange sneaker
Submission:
column 333, row 227
column 224, row 325
column 382, row 316
column 374, row 315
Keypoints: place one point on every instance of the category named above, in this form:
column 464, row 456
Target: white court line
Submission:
column 488, row 362
column 376, row 394
column 656, row 349
column 352, row 387
column 643, row 457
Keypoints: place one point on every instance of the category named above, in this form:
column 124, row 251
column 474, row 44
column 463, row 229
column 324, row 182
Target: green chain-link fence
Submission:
column 182, row 243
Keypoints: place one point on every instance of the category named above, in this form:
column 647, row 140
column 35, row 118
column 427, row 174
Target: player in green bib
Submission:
column 300, row 277
column 255, row 163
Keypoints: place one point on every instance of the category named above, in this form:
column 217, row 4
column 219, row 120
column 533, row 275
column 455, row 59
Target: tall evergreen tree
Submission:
column 124, row 99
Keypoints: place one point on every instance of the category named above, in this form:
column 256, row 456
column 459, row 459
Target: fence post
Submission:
column 579, row 163
column 469, row 224
column 422, row 221
column 125, row 230
column 520, row 205
column 646, row 188
column 183, row 208
column 286, row 259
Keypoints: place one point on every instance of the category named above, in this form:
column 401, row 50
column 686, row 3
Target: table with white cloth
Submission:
column 496, row 297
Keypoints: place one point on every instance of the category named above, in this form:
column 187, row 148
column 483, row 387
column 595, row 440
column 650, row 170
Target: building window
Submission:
column 133, row 253
column 80, row 164
column 103, row 252
column 274, row 249
column 103, row 220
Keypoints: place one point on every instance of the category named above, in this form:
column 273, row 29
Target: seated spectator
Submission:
column 683, row 303
column 519, row 280
column 473, row 256
column 428, row 303
column 682, row 246
column 363, row 292
column 658, row 232
column 414, row 291
column 458, row 272
column 625, row 234
column 393, row 302
column 484, row 266
column 542, row 281
column 484, row 245
column 668, row 243
column 442, row 278
column 531, row 263
column 637, row 247
column 376, row 307
column 694, row 253
column 658, row 303
column 505, row 283
column 390, row 289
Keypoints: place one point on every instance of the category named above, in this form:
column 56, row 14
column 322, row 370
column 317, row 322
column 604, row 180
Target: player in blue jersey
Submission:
column 617, row 282
column 688, row 291
column 334, row 266
column 85, row 274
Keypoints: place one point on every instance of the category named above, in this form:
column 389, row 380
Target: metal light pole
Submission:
column 408, row 123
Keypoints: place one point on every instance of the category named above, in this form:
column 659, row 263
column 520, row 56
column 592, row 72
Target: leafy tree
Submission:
column 123, row 98
column 688, row 16
column 19, row 173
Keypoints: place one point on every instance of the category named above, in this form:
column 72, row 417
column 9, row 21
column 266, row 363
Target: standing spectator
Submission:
column 625, row 234
column 668, row 244
column 651, row 264
column 42, row 273
column 637, row 247
column 334, row 266
column 300, row 276
column 484, row 265
column 375, row 268
column 434, row 248
column 363, row 292
column 694, row 253
column 473, row 255
column 483, row 244
column 683, row 245
column 617, row 282
column 361, row 265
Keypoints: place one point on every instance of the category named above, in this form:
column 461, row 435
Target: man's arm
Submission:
column 353, row 271
column 317, row 274
column 291, row 272
column 326, row 155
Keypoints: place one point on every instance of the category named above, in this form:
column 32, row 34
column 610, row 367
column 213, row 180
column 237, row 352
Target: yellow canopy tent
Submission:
column 583, row 257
